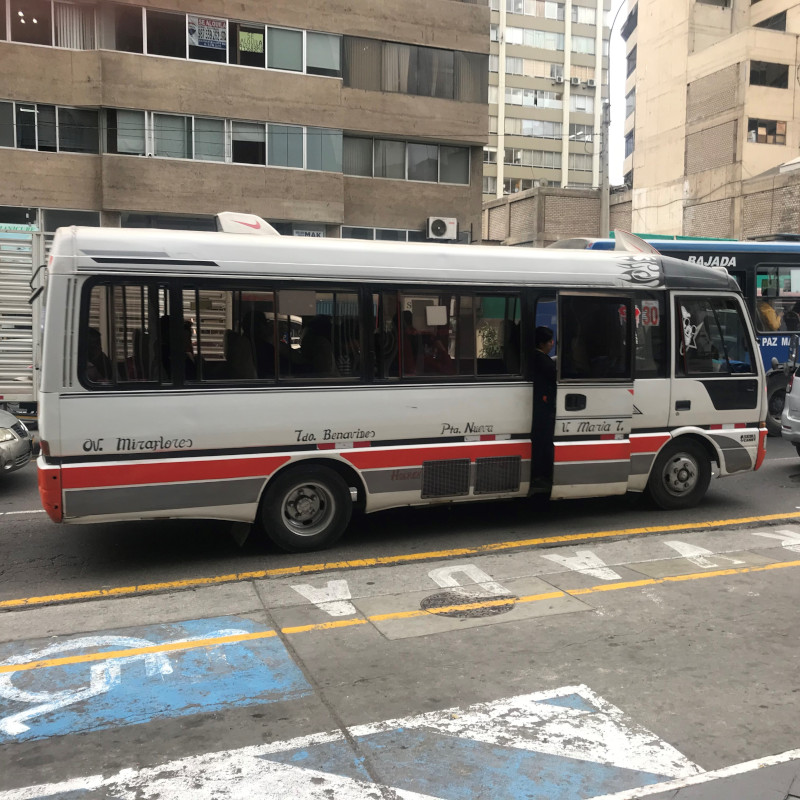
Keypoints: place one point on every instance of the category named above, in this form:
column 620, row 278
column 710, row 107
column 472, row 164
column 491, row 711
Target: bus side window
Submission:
column 650, row 338
column 712, row 337
column 594, row 337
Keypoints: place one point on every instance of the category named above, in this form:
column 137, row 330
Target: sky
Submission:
column 617, row 92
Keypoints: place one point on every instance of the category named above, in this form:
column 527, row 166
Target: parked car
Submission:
column 16, row 444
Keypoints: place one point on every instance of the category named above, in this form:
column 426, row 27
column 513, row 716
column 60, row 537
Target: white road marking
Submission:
column 788, row 539
column 332, row 599
column 587, row 563
column 571, row 722
column 33, row 511
column 445, row 577
column 705, row 777
column 699, row 555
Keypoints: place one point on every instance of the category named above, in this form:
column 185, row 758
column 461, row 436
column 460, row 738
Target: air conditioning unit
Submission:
column 442, row 228
column 591, row 83
column 558, row 79
column 575, row 81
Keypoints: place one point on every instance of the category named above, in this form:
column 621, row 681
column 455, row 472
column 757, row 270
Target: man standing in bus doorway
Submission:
column 544, row 413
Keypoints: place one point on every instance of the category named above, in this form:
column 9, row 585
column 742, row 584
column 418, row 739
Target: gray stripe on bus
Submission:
column 597, row 472
column 409, row 479
column 641, row 462
column 128, row 499
column 735, row 454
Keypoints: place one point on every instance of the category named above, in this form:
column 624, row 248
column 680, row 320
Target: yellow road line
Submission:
column 395, row 615
column 380, row 561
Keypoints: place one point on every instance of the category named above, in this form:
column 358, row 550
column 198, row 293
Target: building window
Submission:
column 584, row 15
column 489, row 184
column 324, row 149
column 581, row 102
column 357, row 156
column 423, row 162
column 581, row 133
column 630, row 103
column 494, row 63
column 125, row 132
column 630, row 60
column 209, row 139
column 31, row 21
column 766, row 131
column 628, row 144
column 323, row 54
column 492, row 124
column 78, row 130
column 720, row 3
column 172, row 136
column 765, row 73
column 248, row 143
column 246, row 44
column 74, row 26
column 580, row 161
column 6, row 124
column 208, row 38
column 583, row 44
column 777, row 22
column 454, row 165
column 285, row 146
column 128, row 29
column 285, row 49
column 514, row 185
column 166, row 34
column 49, row 128
column 489, row 155
column 390, row 159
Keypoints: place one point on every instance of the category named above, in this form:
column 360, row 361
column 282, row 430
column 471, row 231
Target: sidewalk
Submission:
column 772, row 778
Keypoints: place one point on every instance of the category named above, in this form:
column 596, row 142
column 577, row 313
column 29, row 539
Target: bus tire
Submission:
column 306, row 508
column 776, row 397
column 680, row 475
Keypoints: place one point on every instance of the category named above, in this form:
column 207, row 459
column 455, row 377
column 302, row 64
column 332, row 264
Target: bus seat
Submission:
column 239, row 356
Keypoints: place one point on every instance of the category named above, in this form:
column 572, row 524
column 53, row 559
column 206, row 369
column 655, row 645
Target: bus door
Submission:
column 594, row 402
column 716, row 382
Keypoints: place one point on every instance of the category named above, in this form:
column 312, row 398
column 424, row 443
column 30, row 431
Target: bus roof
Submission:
column 162, row 252
column 680, row 245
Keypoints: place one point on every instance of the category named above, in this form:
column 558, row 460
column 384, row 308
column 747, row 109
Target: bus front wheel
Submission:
column 306, row 508
column 680, row 475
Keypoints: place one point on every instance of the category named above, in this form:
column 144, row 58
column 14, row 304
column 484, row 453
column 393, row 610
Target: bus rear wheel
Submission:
column 306, row 508
column 776, row 398
column 680, row 475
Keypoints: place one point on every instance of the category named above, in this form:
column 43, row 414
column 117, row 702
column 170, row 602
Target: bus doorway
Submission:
column 594, row 405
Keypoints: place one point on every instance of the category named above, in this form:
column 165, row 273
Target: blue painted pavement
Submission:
column 57, row 700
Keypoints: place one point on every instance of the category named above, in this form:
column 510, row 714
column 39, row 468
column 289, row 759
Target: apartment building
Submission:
column 711, row 99
column 350, row 118
column 548, row 78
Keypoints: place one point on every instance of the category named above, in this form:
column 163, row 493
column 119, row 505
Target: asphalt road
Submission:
column 435, row 653
column 38, row 557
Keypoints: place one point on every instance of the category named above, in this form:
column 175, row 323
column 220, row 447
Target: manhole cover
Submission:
column 443, row 604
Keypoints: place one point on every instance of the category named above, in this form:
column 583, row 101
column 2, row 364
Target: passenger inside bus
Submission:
column 99, row 367
column 189, row 363
column 769, row 318
column 316, row 349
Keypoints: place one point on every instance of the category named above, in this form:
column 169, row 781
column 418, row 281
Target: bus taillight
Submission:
column 762, row 445
column 50, row 491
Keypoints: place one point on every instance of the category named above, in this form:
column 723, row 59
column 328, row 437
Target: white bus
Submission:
column 175, row 382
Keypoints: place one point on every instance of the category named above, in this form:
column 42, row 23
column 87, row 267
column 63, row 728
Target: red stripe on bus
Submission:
column 649, row 443
column 414, row 456
column 327, row 446
column 168, row 471
column 592, row 451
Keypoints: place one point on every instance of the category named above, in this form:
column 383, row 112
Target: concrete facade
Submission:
column 711, row 99
column 96, row 76
column 548, row 71
column 538, row 217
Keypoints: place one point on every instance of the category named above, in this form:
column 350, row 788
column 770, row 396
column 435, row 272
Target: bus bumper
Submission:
column 50, row 489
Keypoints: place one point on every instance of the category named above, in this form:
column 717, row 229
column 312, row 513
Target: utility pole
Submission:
column 604, row 168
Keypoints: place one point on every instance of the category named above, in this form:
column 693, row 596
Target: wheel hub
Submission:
column 680, row 475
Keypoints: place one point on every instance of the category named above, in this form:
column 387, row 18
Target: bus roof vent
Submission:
column 232, row 222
